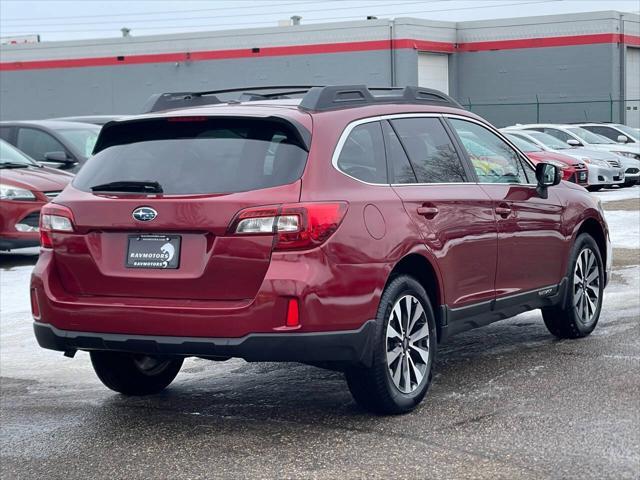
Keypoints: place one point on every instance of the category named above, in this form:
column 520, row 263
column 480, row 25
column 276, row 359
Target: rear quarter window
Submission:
column 362, row 155
column 208, row 156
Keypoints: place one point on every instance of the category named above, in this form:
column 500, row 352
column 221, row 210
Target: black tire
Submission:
column 125, row 372
column 565, row 320
column 595, row 188
column 373, row 388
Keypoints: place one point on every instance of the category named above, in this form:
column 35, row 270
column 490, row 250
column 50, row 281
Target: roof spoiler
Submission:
column 316, row 98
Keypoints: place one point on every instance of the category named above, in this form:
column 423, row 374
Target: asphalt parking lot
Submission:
column 508, row 401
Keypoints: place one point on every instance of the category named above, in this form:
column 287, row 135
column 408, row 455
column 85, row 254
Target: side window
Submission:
column 610, row 133
column 493, row 159
column 559, row 134
column 433, row 157
column 37, row 143
column 363, row 156
column 5, row 133
column 401, row 169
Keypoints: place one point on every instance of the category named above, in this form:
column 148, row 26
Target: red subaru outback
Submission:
column 348, row 229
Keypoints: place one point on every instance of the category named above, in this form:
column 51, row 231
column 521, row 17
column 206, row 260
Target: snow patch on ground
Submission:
column 624, row 228
column 614, row 195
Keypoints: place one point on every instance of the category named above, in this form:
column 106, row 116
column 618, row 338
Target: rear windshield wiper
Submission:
column 128, row 186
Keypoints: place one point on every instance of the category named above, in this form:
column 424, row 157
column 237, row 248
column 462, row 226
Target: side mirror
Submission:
column 622, row 139
column 574, row 143
column 57, row 157
column 547, row 175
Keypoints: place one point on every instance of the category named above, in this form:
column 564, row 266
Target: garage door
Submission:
column 433, row 71
column 633, row 87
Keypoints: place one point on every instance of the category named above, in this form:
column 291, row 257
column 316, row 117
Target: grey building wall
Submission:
column 500, row 77
column 124, row 88
column 588, row 73
column 34, row 94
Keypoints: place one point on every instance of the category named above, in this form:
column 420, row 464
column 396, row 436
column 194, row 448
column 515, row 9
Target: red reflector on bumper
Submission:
column 35, row 307
column 293, row 317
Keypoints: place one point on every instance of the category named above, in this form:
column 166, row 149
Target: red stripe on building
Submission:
column 542, row 42
column 228, row 54
column 396, row 44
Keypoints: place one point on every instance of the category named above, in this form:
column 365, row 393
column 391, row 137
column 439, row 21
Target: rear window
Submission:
column 206, row 156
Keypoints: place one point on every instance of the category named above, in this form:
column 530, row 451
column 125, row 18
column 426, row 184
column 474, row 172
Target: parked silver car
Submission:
column 604, row 168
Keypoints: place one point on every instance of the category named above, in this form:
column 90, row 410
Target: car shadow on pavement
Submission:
column 11, row 260
column 289, row 393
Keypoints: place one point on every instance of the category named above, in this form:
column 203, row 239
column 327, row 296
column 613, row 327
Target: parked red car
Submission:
column 572, row 170
column 25, row 187
column 344, row 229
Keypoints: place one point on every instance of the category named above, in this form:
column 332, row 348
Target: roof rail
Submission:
column 332, row 97
column 171, row 100
column 316, row 98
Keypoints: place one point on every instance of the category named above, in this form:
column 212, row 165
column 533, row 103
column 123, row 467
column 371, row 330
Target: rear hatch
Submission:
column 152, row 209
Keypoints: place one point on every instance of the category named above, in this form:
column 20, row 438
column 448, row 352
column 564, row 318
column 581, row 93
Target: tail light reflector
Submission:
column 296, row 226
column 35, row 306
column 54, row 218
column 293, row 314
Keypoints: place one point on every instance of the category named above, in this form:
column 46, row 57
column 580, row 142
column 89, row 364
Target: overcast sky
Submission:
column 78, row 19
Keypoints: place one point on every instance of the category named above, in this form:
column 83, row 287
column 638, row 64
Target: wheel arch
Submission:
column 595, row 229
column 420, row 268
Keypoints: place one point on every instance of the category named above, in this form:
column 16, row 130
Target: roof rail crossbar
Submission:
column 171, row 100
column 254, row 96
column 316, row 98
column 340, row 96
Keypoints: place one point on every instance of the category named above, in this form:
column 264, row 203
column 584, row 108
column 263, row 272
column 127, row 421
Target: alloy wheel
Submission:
column 586, row 286
column 407, row 344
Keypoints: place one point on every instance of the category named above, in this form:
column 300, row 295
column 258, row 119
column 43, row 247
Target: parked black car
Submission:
column 64, row 145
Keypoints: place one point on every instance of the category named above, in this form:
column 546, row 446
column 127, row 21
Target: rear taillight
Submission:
column 54, row 218
column 296, row 226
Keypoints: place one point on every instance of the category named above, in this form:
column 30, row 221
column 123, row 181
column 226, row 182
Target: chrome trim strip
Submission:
column 345, row 134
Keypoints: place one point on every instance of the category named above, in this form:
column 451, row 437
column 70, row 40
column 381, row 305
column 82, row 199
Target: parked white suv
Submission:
column 615, row 131
column 577, row 137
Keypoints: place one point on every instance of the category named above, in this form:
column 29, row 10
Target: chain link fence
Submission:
column 505, row 114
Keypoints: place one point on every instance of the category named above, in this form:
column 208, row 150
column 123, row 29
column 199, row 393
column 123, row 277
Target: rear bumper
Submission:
column 326, row 303
column 350, row 346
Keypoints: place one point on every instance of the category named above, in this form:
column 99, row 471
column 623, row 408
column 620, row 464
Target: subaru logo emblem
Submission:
column 144, row 214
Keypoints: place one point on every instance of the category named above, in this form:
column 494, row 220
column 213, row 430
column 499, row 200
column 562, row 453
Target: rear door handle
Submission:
column 428, row 212
column 503, row 210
